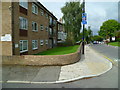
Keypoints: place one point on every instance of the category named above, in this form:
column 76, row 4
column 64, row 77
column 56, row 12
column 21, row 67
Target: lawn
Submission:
column 60, row 50
column 115, row 43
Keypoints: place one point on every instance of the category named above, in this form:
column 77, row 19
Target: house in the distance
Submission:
column 27, row 28
column 61, row 32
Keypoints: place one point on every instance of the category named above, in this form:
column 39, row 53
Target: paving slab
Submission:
column 91, row 64
column 48, row 74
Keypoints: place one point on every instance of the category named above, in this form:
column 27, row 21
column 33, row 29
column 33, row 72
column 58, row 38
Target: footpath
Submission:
column 92, row 64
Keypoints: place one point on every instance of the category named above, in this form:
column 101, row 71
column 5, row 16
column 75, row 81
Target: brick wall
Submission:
column 42, row 60
column 6, row 28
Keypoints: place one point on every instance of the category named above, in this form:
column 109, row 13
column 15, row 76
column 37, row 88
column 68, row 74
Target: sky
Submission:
column 97, row 12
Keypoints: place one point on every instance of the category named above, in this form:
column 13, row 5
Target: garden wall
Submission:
column 42, row 60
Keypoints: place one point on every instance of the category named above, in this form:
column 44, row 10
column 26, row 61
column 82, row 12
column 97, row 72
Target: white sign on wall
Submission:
column 7, row 37
column 16, row 46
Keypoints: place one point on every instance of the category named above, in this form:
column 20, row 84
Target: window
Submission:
column 23, row 46
column 46, row 28
column 23, row 23
column 34, row 44
column 23, row 4
column 34, row 8
column 54, row 41
column 41, row 27
column 42, row 12
column 50, row 21
column 54, row 22
column 46, row 15
column 46, row 41
column 41, row 42
column 34, row 26
column 50, row 31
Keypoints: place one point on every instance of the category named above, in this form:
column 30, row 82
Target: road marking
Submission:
column 104, row 56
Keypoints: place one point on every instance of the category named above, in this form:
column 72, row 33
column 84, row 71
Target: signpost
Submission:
column 83, row 22
column 84, row 18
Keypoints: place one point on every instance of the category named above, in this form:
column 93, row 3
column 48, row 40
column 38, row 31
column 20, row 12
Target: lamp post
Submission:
column 83, row 43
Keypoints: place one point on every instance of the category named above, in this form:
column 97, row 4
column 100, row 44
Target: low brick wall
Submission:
column 42, row 60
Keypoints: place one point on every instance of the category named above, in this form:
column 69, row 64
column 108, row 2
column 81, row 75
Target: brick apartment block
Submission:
column 27, row 28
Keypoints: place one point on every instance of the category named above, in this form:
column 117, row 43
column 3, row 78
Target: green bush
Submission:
column 118, row 39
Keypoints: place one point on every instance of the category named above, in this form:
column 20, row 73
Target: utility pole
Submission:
column 83, row 43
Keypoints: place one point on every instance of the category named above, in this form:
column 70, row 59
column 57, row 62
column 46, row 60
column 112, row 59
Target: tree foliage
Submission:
column 87, row 35
column 72, row 13
column 97, row 38
column 109, row 28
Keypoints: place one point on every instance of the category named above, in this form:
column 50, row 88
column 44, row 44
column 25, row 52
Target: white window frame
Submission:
column 46, row 15
column 23, row 3
column 21, row 41
column 54, row 41
column 54, row 22
column 23, row 23
column 47, row 29
column 36, row 46
column 33, row 26
column 34, row 8
column 42, row 12
column 41, row 42
column 50, row 20
column 41, row 27
column 46, row 42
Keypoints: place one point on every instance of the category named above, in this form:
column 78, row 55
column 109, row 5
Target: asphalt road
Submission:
column 107, row 80
column 109, row 51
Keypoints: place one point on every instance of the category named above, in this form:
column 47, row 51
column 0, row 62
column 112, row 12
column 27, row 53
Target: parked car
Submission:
column 95, row 42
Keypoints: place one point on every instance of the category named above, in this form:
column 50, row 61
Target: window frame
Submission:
column 42, row 12
column 23, row 23
column 23, row 46
column 42, row 42
column 54, row 41
column 34, row 8
column 36, row 46
column 34, row 26
column 47, row 15
column 41, row 27
column 46, row 42
column 47, row 28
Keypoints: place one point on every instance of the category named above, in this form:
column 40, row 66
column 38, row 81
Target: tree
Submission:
column 87, row 35
column 72, row 16
column 97, row 38
column 90, row 34
column 108, row 29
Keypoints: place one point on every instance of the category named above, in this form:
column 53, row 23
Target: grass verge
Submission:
column 60, row 50
column 115, row 43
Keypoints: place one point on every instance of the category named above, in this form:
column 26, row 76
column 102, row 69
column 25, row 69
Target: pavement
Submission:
column 92, row 64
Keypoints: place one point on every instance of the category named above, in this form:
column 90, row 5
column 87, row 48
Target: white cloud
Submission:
column 98, row 12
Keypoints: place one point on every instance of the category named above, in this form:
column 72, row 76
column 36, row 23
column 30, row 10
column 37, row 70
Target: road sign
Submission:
column 84, row 15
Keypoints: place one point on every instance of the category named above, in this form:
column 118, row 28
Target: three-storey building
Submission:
column 27, row 28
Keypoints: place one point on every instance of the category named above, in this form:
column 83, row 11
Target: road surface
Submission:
column 107, row 80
